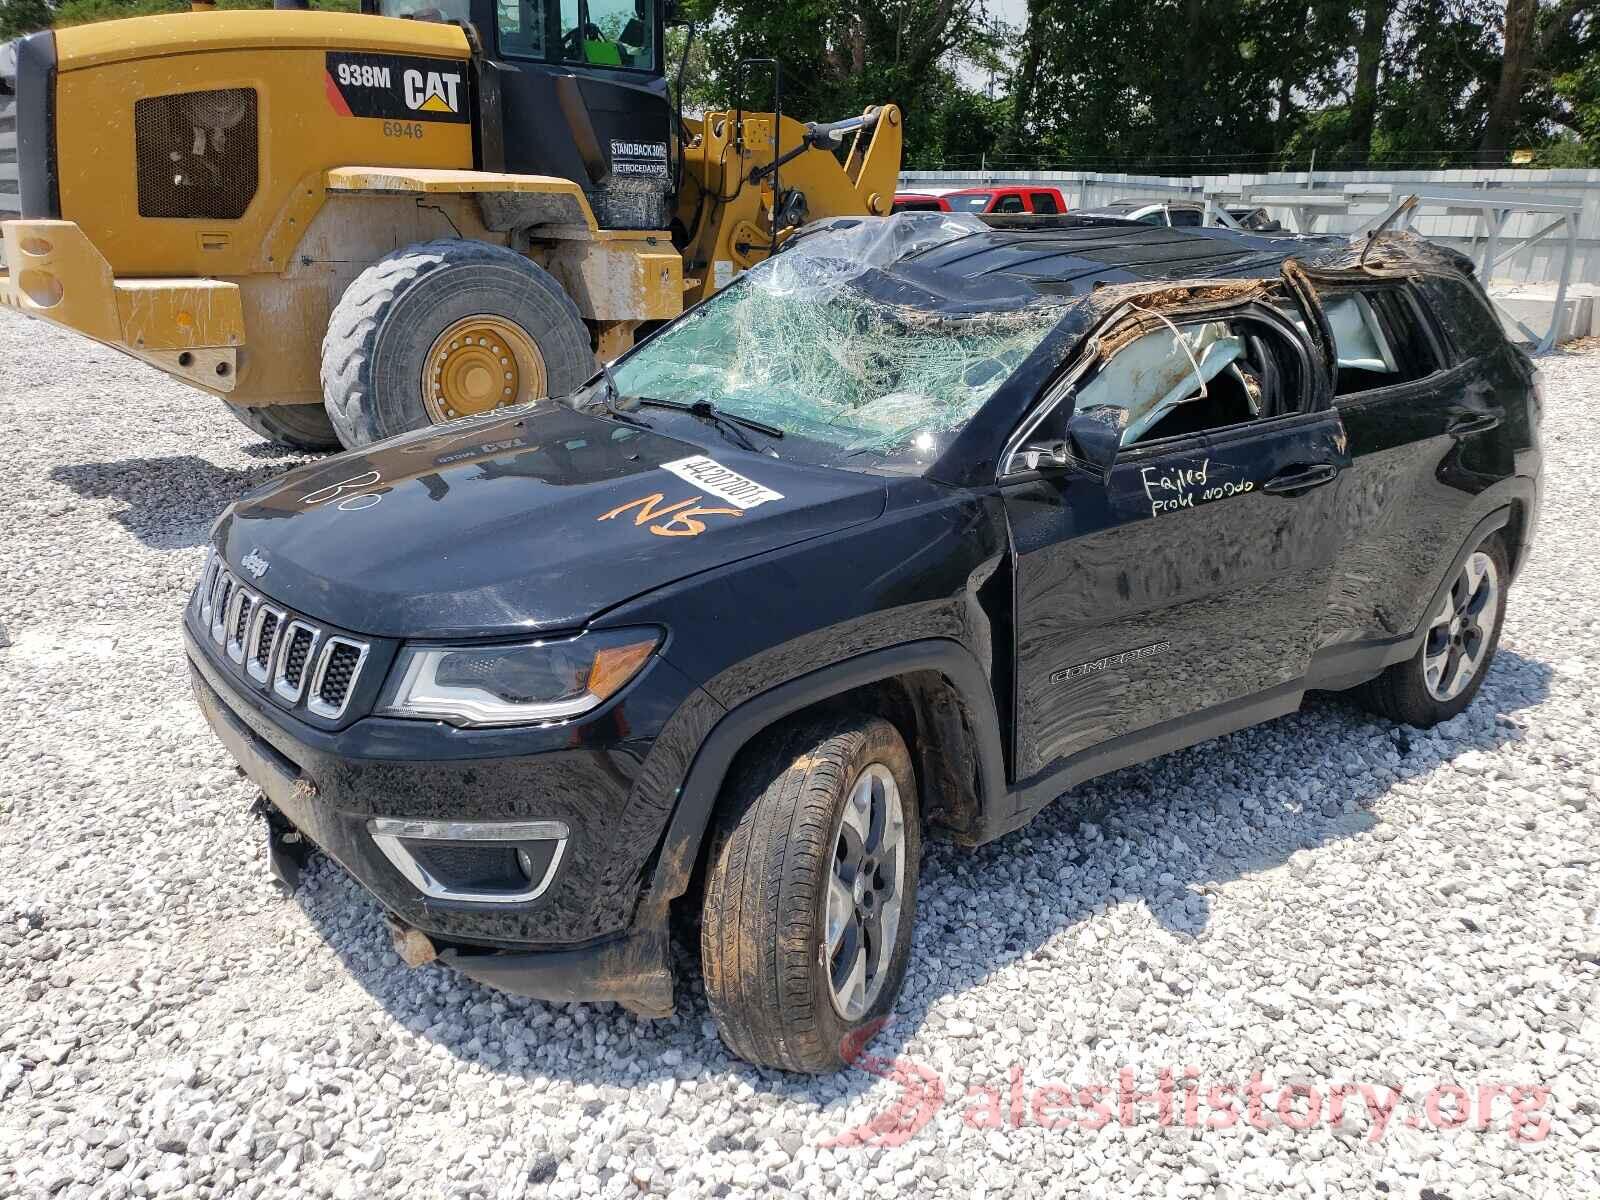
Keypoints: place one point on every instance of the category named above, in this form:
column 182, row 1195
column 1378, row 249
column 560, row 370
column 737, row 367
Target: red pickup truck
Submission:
column 1044, row 200
column 919, row 202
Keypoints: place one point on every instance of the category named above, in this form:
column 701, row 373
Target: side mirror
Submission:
column 1095, row 435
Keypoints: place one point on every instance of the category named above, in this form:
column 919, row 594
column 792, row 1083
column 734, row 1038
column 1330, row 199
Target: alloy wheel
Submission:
column 866, row 887
column 1462, row 628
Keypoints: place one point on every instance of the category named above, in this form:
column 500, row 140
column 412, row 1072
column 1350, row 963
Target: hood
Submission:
column 522, row 522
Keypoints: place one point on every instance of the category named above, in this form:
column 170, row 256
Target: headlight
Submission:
column 520, row 684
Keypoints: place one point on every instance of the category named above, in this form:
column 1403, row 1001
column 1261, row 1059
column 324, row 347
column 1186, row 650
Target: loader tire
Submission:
column 392, row 360
column 297, row 426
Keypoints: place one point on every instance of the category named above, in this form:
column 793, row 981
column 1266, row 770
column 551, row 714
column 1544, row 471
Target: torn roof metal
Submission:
column 1073, row 261
column 953, row 267
column 963, row 268
column 924, row 295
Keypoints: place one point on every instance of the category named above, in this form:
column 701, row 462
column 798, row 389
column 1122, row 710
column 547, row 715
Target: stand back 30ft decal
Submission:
column 397, row 86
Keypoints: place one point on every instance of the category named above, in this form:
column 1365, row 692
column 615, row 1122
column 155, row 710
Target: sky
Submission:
column 1013, row 13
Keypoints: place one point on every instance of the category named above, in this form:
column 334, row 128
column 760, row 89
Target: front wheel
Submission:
column 1441, row 679
column 811, row 892
column 446, row 329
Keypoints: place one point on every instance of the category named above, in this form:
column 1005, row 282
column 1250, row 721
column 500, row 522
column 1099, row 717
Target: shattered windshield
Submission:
column 849, row 378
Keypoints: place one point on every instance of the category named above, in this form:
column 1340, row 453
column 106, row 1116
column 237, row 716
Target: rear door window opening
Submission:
column 1379, row 339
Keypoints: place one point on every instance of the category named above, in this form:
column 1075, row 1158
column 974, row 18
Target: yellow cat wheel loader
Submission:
column 349, row 225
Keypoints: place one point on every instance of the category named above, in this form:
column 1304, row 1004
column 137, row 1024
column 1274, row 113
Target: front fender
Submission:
column 697, row 798
column 922, row 589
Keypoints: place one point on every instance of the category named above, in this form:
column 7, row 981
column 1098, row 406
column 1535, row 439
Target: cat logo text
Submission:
column 432, row 91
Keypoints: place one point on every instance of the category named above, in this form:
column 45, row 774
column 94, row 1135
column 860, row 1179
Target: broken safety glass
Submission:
column 795, row 344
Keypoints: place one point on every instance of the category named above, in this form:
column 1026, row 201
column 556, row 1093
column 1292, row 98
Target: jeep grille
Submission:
column 337, row 668
column 296, row 659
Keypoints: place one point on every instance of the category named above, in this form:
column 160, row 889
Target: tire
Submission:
column 776, row 850
column 297, row 426
column 1406, row 692
column 379, row 337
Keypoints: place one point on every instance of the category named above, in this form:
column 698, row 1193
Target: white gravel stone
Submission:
column 1325, row 900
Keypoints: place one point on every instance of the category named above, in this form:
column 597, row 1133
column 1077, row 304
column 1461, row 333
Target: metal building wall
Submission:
column 1537, row 263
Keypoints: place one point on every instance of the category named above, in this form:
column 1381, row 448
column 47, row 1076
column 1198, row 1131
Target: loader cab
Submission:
column 572, row 88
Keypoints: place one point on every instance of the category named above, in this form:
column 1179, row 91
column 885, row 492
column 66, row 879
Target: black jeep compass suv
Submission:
column 902, row 535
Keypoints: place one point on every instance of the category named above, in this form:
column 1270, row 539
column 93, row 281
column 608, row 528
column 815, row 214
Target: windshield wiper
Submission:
column 726, row 421
column 611, row 398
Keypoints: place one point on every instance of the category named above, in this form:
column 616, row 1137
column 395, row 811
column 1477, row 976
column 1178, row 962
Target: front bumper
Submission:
column 587, row 937
column 191, row 328
column 634, row 970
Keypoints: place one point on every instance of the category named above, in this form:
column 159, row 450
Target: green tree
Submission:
column 1169, row 86
column 1578, row 92
column 841, row 55
column 1531, row 34
column 1274, row 82
column 18, row 17
column 1169, row 81
column 1430, row 111
column 964, row 127
column 1369, row 49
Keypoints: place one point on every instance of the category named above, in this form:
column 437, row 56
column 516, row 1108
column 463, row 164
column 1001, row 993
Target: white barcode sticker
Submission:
column 711, row 476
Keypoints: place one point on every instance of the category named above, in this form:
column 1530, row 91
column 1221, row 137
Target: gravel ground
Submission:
column 1323, row 903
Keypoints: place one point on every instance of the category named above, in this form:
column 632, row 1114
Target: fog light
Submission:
column 489, row 862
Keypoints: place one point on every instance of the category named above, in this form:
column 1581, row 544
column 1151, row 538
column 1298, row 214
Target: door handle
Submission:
column 1301, row 479
column 1475, row 423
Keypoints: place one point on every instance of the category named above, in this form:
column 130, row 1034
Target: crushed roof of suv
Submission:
column 1070, row 261
column 982, row 269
